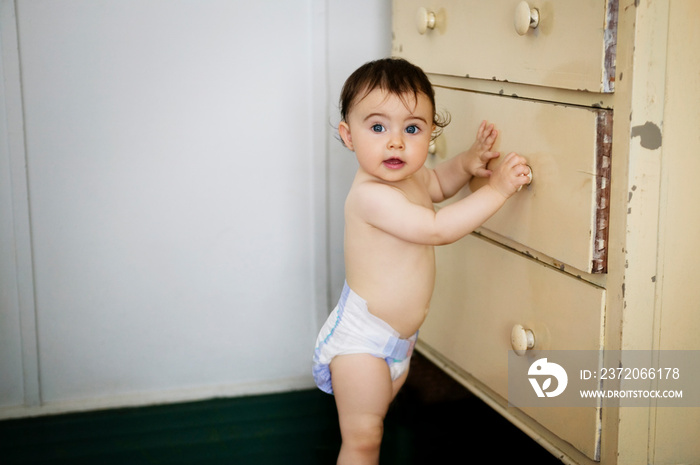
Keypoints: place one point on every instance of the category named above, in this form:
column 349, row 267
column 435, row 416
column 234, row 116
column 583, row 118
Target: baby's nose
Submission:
column 396, row 142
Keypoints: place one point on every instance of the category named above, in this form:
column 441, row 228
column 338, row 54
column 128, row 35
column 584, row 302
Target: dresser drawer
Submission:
column 482, row 291
column 564, row 212
column 573, row 47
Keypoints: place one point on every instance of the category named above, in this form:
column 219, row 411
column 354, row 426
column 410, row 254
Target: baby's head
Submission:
column 395, row 76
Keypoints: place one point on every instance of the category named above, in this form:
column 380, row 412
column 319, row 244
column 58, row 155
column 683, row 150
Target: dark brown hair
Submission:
column 395, row 76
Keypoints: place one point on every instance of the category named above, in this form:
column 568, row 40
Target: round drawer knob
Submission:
column 522, row 339
column 437, row 147
column 432, row 148
column 526, row 18
column 529, row 176
column 425, row 19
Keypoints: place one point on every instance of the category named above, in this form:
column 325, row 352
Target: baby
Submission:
column 363, row 351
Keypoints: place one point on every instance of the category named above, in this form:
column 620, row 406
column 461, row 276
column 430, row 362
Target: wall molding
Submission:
column 147, row 399
column 21, row 215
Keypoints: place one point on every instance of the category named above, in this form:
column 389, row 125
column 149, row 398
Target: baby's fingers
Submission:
column 526, row 177
column 522, row 169
column 487, row 133
column 486, row 157
column 516, row 165
column 491, row 138
column 512, row 160
column 482, row 173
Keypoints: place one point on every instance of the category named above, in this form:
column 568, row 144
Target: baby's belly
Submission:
column 403, row 306
column 397, row 284
column 406, row 322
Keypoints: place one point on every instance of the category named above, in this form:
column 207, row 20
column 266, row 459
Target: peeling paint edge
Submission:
column 601, row 219
column 610, row 44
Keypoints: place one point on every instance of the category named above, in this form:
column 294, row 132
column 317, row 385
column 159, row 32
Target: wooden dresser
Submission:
column 601, row 250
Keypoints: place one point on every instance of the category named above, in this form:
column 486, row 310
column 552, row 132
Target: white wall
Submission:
column 163, row 194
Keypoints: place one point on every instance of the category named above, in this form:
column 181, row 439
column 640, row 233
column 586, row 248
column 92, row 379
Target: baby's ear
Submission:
column 344, row 131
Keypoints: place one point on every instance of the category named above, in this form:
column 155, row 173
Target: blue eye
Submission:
column 377, row 128
column 413, row 129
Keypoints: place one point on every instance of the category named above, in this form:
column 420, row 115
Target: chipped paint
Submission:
column 610, row 40
column 602, row 213
column 649, row 135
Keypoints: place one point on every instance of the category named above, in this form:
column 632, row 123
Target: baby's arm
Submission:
column 449, row 177
column 462, row 217
column 388, row 209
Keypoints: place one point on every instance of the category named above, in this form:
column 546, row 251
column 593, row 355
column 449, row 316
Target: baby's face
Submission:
column 389, row 135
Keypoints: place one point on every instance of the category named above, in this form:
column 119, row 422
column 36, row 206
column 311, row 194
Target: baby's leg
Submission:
column 363, row 391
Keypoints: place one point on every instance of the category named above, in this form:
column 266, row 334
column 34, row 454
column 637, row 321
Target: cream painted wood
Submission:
column 480, row 310
column 676, row 430
column 563, row 212
column 478, row 39
column 651, row 295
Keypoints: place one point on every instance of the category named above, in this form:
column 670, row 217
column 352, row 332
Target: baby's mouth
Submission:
column 393, row 163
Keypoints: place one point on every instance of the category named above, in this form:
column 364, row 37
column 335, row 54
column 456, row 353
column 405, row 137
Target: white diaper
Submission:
column 352, row 329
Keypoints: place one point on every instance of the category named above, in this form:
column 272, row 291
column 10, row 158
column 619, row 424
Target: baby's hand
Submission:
column 479, row 154
column 510, row 175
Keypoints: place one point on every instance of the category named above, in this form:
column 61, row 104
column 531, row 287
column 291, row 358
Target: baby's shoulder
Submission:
column 369, row 198
column 370, row 190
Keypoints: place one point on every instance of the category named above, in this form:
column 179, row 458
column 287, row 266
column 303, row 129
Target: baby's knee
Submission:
column 366, row 434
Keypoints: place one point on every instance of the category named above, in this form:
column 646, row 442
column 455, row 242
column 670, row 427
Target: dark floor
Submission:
column 434, row 420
